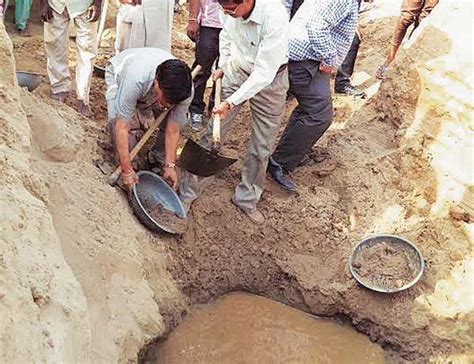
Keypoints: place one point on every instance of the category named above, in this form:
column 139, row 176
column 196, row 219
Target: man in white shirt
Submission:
column 253, row 64
column 56, row 15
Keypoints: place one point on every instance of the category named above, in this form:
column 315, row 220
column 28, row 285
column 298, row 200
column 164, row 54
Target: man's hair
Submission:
column 174, row 79
column 227, row 2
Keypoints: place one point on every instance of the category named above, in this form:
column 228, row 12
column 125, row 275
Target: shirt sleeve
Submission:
column 128, row 93
column 272, row 53
column 328, row 16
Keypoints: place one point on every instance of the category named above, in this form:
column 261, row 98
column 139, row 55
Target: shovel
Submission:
column 202, row 161
column 118, row 171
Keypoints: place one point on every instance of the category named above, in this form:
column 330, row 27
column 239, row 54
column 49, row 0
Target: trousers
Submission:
column 346, row 69
column 267, row 108
column 22, row 12
column 207, row 52
column 311, row 117
column 413, row 11
column 56, row 40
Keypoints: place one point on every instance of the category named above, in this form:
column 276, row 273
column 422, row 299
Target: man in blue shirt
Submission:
column 321, row 33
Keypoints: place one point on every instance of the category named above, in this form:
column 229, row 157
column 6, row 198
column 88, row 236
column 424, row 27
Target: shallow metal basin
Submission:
column 29, row 80
column 153, row 189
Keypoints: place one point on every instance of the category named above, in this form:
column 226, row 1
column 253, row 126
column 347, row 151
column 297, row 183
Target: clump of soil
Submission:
column 164, row 217
column 386, row 266
column 102, row 59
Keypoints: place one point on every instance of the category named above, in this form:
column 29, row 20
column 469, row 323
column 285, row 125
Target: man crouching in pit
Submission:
column 141, row 84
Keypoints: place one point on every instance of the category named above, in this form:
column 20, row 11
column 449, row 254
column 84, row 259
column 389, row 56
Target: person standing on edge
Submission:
column 342, row 84
column 204, row 26
column 144, row 23
column 56, row 15
column 413, row 12
column 321, row 33
column 253, row 63
column 22, row 15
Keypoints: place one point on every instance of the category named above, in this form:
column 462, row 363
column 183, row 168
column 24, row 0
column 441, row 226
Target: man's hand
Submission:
column 46, row 11
column 93, row 13
column 129, row 179
column 171, row 177
column 222, row 109
column 218, row 73
column 193, row 29
column 330, row 70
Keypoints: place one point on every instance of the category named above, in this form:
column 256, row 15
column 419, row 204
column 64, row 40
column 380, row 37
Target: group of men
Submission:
column 264, row 51
column 262, row 57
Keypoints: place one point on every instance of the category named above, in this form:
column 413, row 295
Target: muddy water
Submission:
column 243, row 328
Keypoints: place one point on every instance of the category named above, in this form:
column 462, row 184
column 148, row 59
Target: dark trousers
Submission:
column 344, row 72
column 310, row 119
column 207, row 51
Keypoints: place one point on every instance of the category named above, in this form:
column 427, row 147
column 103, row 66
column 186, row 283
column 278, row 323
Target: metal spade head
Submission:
column 201, row 161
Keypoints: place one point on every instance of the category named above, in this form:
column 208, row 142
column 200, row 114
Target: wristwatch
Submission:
column 169, row 165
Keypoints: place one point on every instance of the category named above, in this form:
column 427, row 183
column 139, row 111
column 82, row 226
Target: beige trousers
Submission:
column 267, row 109
column 148, row 25
column 56, row 40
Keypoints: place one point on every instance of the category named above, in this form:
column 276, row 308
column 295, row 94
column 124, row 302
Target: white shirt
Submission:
column 74, row 7
column 258, row 45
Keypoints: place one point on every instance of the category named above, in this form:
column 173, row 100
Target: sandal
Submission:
column 381, row 72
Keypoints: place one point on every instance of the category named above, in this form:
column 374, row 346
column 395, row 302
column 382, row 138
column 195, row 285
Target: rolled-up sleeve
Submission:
column 272, row 53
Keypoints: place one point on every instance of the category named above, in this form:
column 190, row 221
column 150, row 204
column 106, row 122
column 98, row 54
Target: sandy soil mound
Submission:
column 75, row 265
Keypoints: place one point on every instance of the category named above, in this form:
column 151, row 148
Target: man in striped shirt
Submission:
column 321, row 33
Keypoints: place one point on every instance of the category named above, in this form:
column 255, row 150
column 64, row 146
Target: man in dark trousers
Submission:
column 343, row 85
column 204, row 26
column 321, row 33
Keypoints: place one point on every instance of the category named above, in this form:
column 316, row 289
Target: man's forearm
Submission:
column 121, row 144
column 172, row 141
column 193, row 9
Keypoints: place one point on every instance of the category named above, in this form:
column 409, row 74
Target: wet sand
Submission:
column 244, row 328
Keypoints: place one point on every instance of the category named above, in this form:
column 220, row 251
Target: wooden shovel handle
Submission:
column 136, row 149
column 118, row 171
column 216, row 125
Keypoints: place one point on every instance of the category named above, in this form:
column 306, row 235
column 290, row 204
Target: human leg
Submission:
column 267, row 108
column 22, row 14
column 56, row 48
column 86, row 33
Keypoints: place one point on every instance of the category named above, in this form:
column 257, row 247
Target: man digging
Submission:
column 142, row 83
column 253, row 65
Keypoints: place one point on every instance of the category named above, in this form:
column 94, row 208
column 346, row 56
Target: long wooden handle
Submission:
column 118, row 171
column 103, row 17
column 216, row 125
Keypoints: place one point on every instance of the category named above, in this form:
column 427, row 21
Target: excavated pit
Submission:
column 393, row 162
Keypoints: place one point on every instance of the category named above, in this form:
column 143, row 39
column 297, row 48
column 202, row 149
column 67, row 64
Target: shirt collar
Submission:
column 257, row 13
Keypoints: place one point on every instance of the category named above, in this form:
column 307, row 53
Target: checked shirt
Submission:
column 323, row 30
